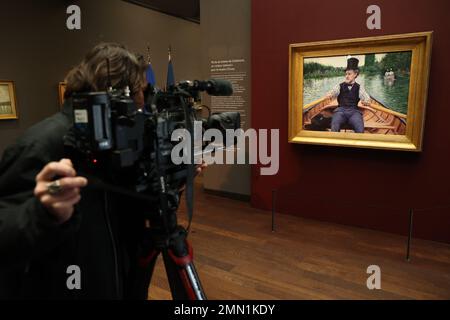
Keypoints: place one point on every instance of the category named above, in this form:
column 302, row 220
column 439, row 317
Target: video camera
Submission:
column 131, row 147
column 127, row 151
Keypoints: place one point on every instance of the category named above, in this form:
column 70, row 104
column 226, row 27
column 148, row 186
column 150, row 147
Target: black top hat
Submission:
column 352, row 64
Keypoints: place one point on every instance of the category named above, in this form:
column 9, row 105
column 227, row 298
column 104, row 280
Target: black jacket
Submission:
column 35, row 252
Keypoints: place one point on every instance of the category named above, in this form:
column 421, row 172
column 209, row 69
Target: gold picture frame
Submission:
column 61, row 91
column 8, row 101
column 410, row 139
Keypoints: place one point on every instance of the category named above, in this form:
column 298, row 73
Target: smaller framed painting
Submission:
column 61, row 91
column 8, row 102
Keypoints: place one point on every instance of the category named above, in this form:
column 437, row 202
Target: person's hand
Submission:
column 59, row 196
column 199, row 168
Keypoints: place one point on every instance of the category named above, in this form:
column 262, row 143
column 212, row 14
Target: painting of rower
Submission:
column 357, row 93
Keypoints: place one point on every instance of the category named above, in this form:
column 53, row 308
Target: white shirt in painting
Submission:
column 363, row 95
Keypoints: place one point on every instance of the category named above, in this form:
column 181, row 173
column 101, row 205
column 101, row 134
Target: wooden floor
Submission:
column 238, row 257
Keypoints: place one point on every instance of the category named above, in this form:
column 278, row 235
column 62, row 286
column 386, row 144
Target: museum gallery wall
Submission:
column 36, row 58
column 361, row 187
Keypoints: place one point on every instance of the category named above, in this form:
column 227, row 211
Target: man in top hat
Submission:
column 348, row 94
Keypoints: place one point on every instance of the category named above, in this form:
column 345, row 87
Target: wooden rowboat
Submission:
column 378, row 119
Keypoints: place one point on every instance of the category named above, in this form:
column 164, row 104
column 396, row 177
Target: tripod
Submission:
column 163, row 235
column 146, row 164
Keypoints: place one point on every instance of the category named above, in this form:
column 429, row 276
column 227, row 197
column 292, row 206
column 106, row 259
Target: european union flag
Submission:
column 170, row 73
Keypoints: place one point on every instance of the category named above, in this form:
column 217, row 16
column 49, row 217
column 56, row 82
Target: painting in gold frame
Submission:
column 8, row 102
column 316, row 111
column 61, row 91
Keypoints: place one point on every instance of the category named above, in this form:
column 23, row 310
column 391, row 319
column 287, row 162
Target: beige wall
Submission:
column 226, row 34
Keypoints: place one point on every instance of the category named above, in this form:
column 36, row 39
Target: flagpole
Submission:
column 148, row 55
column 170, row 73
column 150, row 75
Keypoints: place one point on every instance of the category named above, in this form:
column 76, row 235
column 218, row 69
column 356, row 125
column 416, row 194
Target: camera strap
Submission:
column 97, row 183
column 190, row 167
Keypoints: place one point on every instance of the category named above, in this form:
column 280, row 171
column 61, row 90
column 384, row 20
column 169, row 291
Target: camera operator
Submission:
column 49, row 217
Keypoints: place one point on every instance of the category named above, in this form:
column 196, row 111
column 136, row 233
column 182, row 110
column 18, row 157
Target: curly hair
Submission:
column 91, row 74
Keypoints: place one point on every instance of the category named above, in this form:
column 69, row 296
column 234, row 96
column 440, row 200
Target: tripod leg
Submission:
column 183, row 278
column 142, row 275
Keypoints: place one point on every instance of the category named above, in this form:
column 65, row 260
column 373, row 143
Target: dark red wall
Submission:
column 367, row 188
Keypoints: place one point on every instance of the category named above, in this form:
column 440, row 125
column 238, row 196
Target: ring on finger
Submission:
column 54, row 187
